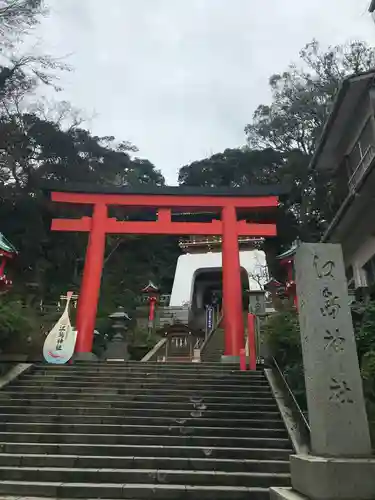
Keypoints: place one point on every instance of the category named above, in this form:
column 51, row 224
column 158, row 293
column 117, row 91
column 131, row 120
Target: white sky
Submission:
column 181, row 78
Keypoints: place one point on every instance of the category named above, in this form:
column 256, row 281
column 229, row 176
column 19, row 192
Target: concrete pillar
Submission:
column 340, row 465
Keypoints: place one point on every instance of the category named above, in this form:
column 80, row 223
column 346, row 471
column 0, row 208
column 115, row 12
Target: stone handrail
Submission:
column 212, row 336
column 153, row 354
column 294, row 419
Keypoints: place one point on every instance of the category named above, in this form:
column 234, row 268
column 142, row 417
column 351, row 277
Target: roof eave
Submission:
column 333, row 115
column 329, row 124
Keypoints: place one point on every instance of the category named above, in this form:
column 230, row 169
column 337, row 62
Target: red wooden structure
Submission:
column 152, row 293
column 234, row 208
column 7, row 253
column 286, row 260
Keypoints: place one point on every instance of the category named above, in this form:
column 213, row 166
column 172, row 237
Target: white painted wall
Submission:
column 253, row 261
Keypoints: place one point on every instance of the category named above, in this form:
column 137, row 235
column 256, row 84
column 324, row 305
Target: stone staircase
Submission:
column 141, row 431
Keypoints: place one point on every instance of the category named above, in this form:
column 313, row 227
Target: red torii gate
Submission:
column 257, row 198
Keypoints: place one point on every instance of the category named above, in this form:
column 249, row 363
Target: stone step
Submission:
column 141, row 389
column 173, row 378
column 237, row 375
column 228, row 405
column 140, row 411
column 134, row 384
column 130, row 491
column 143, row 476
column 157, row 430
column 138, row 394
column 118, row 376
column 162, row 370
column 176, row 463
column 188, row 366
column 145, row 450
column 130, row 365
column 141, row 430
column 146, row 439
column 142, row 420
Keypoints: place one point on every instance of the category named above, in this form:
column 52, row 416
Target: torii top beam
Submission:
column 254, row 198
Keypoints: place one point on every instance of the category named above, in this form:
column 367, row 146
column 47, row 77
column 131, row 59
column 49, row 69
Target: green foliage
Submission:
column 302, row 96
column 244, row 167
column 21, row 330
column 368, row 374
column 292, row 124
column 282, row 335
column 365, row 337
column 13, row 320
column 365, row 334
column 281, row 331
column 282, row 137
column 35, row 148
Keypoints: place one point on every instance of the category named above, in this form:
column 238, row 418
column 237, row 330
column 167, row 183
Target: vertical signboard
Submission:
column 209, row 318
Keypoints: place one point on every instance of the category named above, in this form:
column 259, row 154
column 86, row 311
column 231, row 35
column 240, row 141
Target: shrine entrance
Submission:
column 235, row 213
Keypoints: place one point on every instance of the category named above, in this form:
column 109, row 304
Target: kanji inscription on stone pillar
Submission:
column 337, row 414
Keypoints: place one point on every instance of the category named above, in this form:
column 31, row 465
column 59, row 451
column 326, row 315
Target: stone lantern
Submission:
column 117, row 349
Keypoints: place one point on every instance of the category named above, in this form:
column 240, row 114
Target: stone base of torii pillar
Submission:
column 340, row 465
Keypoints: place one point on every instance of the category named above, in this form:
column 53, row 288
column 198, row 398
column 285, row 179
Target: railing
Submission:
column 217, row 316
column 174, row 347
column 213, row 346
column 362, row 168
column 156, row 351
column 294, row 418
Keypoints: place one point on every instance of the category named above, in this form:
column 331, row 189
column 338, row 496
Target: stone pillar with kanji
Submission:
column 340, row 465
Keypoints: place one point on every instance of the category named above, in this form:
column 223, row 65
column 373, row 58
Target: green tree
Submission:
column 234, row 168
column 246, row 167
column 302, row 97
column 38, row 146
column 35, row 151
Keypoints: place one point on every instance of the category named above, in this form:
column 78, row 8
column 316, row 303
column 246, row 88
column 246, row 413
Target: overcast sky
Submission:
column 181, row 78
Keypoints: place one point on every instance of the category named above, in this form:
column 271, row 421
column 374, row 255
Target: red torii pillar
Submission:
column 91, row 279
column 100, row 224
column 232, row 289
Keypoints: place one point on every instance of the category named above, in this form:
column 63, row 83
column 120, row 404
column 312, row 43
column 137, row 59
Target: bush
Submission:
column 13, row 320
column 282, row 336
column 19, row 328
column 365, row 332
column 368, row 375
